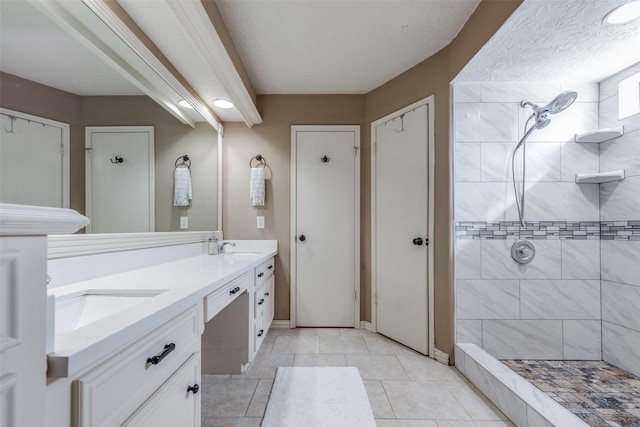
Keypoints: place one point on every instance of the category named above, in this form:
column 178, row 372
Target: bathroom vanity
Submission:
column 135, row 319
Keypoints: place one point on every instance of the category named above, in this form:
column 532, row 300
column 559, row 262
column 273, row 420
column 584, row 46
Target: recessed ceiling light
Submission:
column 623, row 14
column 222, row 103
column 185, row 104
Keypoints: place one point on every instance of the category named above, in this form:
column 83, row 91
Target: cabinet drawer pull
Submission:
column 260, row 274
column 261, row 332
column 261, row 301
column 270, row 267
column 194, row 388
column 168, row 348
column 266, row 294
column 234, row 290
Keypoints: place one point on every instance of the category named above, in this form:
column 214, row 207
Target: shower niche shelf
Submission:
column 600, row 135
column 599, row 178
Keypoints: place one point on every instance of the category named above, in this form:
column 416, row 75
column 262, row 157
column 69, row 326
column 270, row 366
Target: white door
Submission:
column 400, row 228
column 120, row 179
column 325, row 216
column 34, row 161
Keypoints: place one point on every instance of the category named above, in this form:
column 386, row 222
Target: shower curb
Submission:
column 518, row 399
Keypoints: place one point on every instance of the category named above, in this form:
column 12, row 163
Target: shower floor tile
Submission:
column 598, row 393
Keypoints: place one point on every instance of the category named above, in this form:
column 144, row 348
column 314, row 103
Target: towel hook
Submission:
column 401, row 124
column 117, row 160
column 185, row 158
column 325, row 159
column 261, row 161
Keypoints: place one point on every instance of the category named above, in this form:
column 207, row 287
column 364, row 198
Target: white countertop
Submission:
column 186, row 282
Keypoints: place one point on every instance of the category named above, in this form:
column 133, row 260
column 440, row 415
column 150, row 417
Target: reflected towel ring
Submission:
column 184, row 159
column 261, row 161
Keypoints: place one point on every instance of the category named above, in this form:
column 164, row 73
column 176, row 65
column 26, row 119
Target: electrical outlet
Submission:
column 184, row 222
column 260, row 222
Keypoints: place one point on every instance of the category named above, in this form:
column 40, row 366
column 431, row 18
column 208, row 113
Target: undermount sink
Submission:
column 82, row 308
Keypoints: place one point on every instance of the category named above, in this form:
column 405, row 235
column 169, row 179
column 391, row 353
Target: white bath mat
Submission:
column 318, row 397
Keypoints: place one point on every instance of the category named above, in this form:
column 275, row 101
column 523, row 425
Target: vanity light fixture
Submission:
column 623, row 14
column 222, row 103
column 185, row 104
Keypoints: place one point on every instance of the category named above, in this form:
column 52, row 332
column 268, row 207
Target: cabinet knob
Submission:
column 302, row 238
column 261, row 332
column 261, row 301
column 270, row 267
column 234, row 290
column 193, row 388
column 266, row 294
column 260, row 274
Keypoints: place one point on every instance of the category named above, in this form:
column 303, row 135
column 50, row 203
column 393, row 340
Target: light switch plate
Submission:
column 259, row 222
column 184, row 222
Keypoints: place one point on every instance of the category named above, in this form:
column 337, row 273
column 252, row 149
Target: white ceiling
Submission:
column 553, row 40
column 34, row 48
column 329, row 47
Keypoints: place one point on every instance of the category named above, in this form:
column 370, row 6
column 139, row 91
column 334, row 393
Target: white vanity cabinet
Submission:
column 161, row 370
column 263, row 301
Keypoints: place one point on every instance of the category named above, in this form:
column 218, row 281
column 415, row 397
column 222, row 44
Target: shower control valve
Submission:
column 523, row 251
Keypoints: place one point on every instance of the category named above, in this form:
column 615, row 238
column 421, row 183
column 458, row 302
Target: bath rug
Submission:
column 318, row 397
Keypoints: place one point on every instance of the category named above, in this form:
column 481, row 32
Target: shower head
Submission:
column 561, row 102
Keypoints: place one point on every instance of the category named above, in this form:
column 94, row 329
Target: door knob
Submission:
column 417, row 241
column 302, row 238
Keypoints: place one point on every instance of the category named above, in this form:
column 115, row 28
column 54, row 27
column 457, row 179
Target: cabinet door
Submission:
column 269, row 305
column 176, row 402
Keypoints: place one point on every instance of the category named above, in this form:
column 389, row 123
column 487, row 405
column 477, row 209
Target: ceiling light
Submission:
column 222, row 103
column 185, row 104
column 623, row 14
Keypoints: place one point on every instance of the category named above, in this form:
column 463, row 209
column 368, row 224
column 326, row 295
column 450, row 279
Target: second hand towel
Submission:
column 256, row 187
column 182, row 186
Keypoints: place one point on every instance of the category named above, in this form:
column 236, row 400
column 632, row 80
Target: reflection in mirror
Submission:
column 51, row 77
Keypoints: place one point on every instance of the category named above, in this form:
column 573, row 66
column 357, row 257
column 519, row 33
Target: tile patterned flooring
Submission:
column 405, row 388
column 597, row 392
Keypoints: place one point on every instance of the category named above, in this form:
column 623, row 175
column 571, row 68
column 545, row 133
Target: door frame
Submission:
column 430, row 103
column 66, row 151
column 294, row 222
column 152, row 169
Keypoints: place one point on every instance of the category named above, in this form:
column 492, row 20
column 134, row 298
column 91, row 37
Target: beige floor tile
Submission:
column 377, row 366
column 320, row 360
column 455, row 423
column 353, row 331
column 296, row 344
column 231, row 422
column 425, row 369
column 406, row 423
column 226, row 397
column 378, row 344
column 474, row 402
column 343, row 345
column 494, row 424
column 265, row 365
column 260, row 398
column 267, row 343
column 378, row 400
column 318, row 331
column 423, row 400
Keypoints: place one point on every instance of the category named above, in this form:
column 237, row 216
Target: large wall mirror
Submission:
column 50, row 78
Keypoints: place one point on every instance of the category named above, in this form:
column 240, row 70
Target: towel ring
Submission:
column 184, row 159
column 261, row 161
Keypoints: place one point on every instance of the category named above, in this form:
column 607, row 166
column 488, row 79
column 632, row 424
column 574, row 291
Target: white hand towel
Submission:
column 182, row 186
column 256, row 187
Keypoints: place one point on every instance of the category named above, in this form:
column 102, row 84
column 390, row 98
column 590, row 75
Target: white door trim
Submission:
column 152, row 168
column 430, row 103
column 356, row 219
column 66, row 155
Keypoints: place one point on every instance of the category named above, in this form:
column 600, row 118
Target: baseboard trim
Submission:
column 365, row 325
column 281, row 324
column 441, row 356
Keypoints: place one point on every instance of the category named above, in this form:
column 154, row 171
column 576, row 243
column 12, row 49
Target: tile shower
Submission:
column 579, row 298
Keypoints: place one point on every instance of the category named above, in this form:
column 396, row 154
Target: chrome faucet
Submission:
column 221, row 247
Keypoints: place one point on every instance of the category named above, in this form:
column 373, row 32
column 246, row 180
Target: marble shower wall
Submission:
column 620, row 203
column 549, row 309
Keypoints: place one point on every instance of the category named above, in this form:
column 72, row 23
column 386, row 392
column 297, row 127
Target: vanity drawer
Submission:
column 110, row 393
column 264, row 271
column 216, row 301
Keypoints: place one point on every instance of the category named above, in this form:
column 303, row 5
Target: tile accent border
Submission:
column 548, row 230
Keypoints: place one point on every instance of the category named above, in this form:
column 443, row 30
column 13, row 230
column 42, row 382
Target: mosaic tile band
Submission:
column 548, row 230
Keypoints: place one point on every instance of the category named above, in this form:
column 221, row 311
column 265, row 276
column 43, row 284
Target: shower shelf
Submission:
column 600, row 135
column 599, row 178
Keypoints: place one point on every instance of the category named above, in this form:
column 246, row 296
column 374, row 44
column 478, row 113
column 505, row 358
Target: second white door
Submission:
column 325, row 232
column 401, row 167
